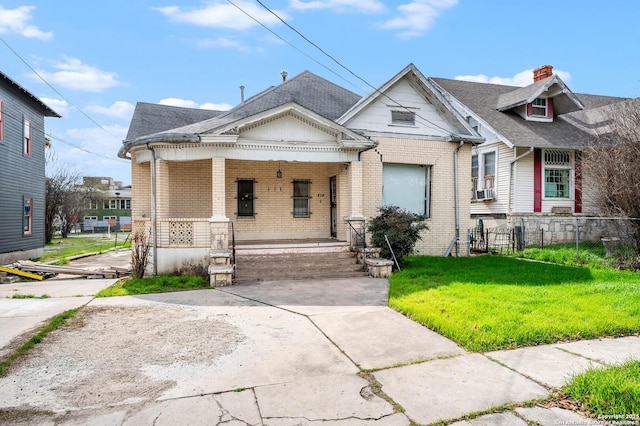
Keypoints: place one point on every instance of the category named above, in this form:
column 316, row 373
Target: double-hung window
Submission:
column 1, row 120
column 539, row 107
column 27, row 216
column 483, row 174
column 557, row 173
column 26, row 137
column 245, row 197
column 407, row 186
column 301, row 198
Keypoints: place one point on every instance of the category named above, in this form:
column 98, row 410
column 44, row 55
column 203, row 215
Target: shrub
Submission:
column 401, row 227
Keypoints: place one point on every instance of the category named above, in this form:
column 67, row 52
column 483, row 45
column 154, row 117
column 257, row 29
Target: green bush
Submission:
column 402, row 229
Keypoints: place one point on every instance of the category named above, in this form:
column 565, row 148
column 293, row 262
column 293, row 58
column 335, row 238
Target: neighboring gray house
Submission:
column 22, row 172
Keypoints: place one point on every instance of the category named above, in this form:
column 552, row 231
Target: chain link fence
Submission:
column 606, row 237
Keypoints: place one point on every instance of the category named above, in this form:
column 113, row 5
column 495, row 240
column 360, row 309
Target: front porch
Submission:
column 234, row 203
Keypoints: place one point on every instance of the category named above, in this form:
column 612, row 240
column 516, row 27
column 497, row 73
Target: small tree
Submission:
column 63, row 202
column 401, row 227
column 140, row 247
column 612, row 165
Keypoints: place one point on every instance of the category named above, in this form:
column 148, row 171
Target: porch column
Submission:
column 356, row 219
column 219, row 220
column 162, row 188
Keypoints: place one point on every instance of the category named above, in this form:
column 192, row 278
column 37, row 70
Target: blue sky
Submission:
column 99, row 58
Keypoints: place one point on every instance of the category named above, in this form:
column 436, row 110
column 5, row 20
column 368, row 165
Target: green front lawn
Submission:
column 159, row 284
column 493, row 302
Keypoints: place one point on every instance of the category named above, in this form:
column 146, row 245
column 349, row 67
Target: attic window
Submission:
column 539, row 107
column 405, row 118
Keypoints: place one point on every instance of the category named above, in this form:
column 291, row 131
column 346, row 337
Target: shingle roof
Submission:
column 482, row 99
column 154, row 118
column 564, row 102
column 47, row 111
column 306, row 89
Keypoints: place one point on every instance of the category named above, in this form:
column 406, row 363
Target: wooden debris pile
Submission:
column 48, row 271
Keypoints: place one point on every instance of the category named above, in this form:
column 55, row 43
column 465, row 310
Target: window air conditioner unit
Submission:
column 485, row 194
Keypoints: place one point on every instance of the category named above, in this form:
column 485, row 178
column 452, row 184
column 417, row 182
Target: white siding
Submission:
column 376, row 118
column 288, row 128
column 500, row 205
column 523, row 183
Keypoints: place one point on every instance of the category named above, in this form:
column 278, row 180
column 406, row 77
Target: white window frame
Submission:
column 557, row 163
column 397, row 191
column 403, row 117
column 481, row 181
column 544, row 107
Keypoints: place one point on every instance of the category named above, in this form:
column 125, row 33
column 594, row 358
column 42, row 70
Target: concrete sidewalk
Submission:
column 318, row 351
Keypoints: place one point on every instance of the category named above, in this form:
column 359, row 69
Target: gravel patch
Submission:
column 97, row 360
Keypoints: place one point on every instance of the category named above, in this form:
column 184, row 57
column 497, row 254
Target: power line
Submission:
column 55, row 90
column 427, row 122
column 41, row 131
column 291, row 44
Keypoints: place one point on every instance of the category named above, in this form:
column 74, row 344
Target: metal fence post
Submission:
column 577, row 228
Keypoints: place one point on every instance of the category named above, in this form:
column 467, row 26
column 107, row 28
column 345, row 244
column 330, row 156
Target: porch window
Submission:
column 407, row 186
column 245, row 197
column 557, row 173
column 27, row 216
column 301, row 198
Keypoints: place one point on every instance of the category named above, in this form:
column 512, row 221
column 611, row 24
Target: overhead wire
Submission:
column 41, row 131
column 425, row 121
column 54, row 89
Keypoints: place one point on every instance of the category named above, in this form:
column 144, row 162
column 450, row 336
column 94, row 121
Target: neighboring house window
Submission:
column 112, row 220
column 404, row 118
column 26, row 137
column 127, row 204
column 27, row 216
column 91, row 218
column 93, row 204
column 407, row 186
column 110, row 204
column 557, row 173
column 301, row 198
column 1, row 120
column 246, row 190
column 539, row 107
column 483, row 175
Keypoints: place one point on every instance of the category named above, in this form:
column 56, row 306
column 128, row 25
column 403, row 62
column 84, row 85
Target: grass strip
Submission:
column 610, row 393
column 149, row 285
column 494, row 302
column 55, row 323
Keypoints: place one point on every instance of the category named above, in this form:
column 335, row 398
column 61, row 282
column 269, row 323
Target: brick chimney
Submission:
column 542, row 73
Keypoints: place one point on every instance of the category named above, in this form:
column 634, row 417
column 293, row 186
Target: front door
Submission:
column 333, row 206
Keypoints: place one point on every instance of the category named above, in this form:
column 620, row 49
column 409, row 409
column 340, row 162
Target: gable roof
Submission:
column 306, row 89
column 154, row 118
column 564, row 100
column 46, row 110
column 433, row 96
column 483, row 99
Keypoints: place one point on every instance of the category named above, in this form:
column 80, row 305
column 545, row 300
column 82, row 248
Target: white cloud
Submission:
column 416, row 17
column 221, row 42
column 15, row 21
column 220, row 14
column 521, row 79
column 119, row 109
column 366, row 6
column 185, row 103
column 58, row 105
column 73, row 74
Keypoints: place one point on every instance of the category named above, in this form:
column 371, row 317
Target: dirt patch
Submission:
column 96, row 359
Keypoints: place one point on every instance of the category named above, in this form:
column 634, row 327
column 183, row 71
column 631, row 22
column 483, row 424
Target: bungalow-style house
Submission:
column 530, row 165
column 22, row 172
column 306, row 159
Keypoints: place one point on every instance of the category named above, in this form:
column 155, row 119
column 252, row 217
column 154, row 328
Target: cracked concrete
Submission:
column 293, row 354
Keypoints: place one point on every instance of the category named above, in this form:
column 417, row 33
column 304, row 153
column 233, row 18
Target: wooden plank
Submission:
column 21, row 273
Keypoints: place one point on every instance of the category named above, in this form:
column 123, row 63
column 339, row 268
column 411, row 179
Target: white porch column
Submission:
column 219, row 220
column 356, row 217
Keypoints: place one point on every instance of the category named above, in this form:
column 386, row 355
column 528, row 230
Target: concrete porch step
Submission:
column 294, row 261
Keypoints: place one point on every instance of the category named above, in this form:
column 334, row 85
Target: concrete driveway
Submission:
column 276, row 353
